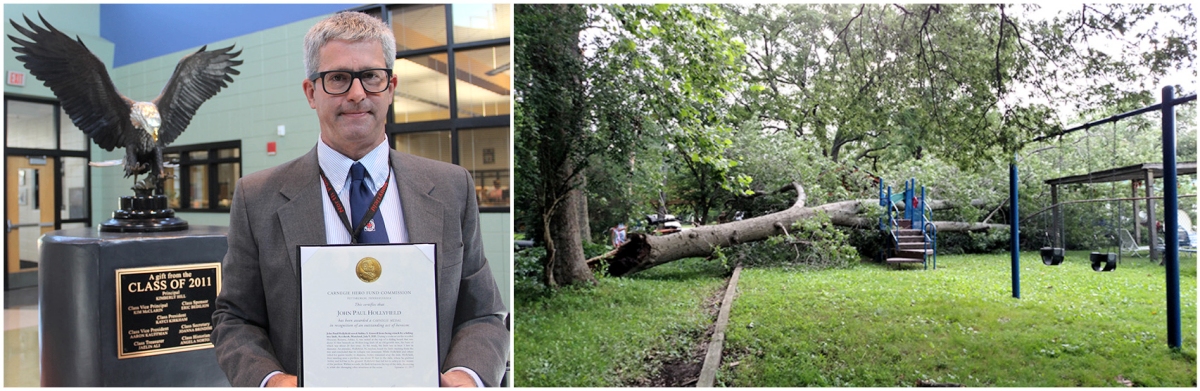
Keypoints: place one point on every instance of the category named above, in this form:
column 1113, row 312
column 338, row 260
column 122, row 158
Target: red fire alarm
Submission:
column 270, row 148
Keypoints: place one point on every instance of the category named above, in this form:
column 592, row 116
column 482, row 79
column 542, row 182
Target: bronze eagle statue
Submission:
column 87, row 94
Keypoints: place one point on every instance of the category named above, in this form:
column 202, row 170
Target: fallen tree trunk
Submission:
column 934, row 204
column 642, row 251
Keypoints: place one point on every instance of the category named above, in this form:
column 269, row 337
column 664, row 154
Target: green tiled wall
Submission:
column 75, row 20
column 498, row 248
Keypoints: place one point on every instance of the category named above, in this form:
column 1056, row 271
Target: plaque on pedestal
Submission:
column 129, row 309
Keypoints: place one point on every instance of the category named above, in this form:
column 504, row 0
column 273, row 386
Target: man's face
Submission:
column 352, row 122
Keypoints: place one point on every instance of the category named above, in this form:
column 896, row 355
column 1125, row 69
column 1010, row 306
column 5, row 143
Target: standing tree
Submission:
column 594, row 81
column 554, row 142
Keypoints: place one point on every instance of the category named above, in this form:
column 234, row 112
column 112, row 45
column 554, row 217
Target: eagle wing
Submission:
column 80, row 82
column 197, row 78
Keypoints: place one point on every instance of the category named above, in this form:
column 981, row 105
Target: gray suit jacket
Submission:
column 256, row 322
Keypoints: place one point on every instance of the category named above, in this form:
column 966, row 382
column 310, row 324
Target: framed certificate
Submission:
column 368, row 316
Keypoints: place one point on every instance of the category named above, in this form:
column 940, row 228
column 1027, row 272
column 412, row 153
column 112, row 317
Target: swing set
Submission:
column 1146, row 172
column 1168, row 170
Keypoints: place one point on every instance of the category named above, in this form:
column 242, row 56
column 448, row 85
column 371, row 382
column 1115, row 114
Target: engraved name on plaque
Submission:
column 166, row 309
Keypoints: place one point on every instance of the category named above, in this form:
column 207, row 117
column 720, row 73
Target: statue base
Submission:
column 85, row 336
column 144, row 214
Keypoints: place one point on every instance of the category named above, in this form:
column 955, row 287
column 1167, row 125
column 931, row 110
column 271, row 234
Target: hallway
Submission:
column 21, row 338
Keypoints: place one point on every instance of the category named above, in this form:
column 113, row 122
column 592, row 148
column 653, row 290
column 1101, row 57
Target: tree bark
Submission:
column 643, row 252
column 560, row 113
column 585, row 225
column 568, row 265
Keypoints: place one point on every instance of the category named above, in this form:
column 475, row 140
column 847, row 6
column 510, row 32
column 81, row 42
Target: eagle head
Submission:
column 145, row 117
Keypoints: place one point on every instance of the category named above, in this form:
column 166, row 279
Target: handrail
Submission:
column 892, row 216
column 891, row 210
column 928, row 214
column 893, row 224
column 932, row 240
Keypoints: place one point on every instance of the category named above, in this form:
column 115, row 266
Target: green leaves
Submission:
column 966, row 82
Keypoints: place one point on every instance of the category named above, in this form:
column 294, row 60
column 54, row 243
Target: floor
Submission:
column 21, row 338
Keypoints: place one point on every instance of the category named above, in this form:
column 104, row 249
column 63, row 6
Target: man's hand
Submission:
column 455, row 379
column 283, row 380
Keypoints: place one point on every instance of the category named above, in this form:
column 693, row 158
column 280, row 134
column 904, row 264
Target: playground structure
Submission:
column 1170, row 172
column 913, row 234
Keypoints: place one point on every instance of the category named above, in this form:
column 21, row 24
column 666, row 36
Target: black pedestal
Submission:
column 78, row 291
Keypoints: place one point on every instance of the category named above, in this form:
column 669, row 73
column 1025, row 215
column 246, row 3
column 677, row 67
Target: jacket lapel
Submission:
column 297, row 218
column 422, row 212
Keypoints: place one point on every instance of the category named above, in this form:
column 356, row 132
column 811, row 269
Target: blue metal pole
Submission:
column 909, row 193
column 908, row 200
column 1016, row 229
column 881, row 203
column 1171, row 217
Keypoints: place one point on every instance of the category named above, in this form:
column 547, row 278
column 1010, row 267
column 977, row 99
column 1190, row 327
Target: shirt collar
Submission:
column 337, row 166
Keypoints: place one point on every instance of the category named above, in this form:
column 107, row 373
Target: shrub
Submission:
column 527, row 271
column 812, row 243
column 973, row 242
column 868, row 242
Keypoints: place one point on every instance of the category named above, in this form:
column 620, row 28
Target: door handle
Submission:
column 9, row 226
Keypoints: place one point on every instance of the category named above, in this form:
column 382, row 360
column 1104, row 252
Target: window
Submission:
column 205, row 176
column 482, row 82
column 453, row 101
column 74, row 188
column 480, row 22
column 423, row 92
column 419, row 26
column 433, row 145
column 71, row 138
column 31, row 125
column 484, row 152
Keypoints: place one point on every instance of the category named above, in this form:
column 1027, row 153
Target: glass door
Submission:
column 29, row 213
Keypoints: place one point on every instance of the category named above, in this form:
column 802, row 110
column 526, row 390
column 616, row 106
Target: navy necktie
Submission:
column 360, row 201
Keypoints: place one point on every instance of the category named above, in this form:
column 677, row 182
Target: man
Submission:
column 256, row 330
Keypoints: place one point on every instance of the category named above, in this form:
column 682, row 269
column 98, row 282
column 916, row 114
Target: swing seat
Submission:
column 1104, row 262
column 1052, row 256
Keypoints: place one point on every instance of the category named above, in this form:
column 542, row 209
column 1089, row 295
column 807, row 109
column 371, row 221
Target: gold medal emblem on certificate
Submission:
column 368, row 269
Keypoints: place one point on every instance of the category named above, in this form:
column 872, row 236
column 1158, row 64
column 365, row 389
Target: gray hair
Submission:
column 349, row 26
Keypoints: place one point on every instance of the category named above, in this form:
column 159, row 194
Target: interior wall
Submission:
column 75, row 20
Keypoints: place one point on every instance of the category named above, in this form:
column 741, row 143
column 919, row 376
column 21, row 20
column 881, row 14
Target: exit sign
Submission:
column 16, row 78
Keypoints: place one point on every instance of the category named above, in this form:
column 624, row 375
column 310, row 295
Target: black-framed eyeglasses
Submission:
column 338, row 82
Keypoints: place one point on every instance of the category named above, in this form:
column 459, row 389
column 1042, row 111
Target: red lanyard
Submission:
column 341, row 210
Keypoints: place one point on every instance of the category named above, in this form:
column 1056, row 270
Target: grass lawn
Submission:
column 617, row 333
column 876, row 326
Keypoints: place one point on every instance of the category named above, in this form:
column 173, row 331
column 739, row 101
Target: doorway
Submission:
column 29, row 214
column 46, row 182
